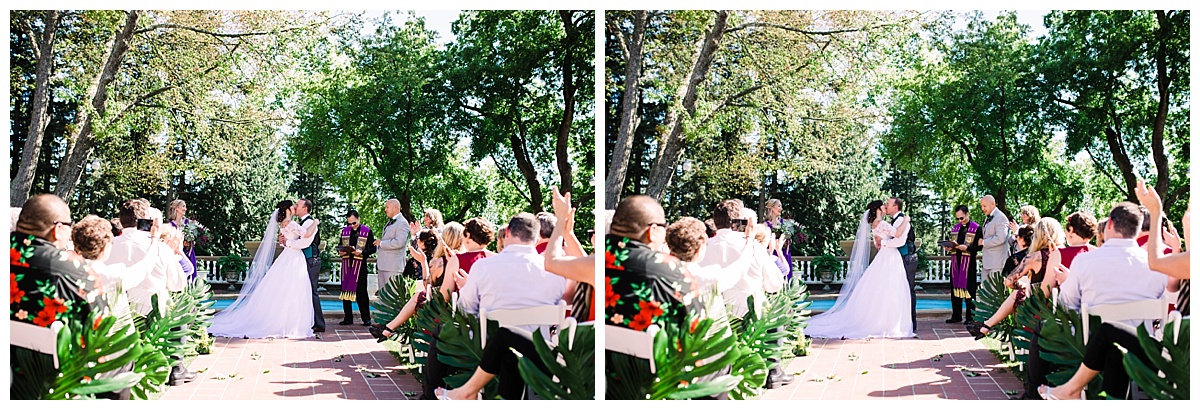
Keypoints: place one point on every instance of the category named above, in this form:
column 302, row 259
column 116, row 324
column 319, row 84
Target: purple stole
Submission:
column 352, row 265
column 961, row 261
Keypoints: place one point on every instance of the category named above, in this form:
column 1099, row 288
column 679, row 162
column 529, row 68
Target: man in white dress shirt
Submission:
column 165, row 274
column 1118, row 271
column 310, row 244
column 515, row 277
column 905, row 242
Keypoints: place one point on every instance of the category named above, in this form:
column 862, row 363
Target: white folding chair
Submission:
column 538, row 315
column 1149, row 309
column 36, row 338
column 631, row 342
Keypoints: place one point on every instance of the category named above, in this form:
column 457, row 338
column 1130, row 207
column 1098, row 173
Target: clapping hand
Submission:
column 416, row 255
column 414, row 227
column 561, row 204
column 1148, row 197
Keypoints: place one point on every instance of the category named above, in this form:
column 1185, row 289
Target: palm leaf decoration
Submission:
column 162, row 336
column 392, row 298
column 90, row 360
column 201, row 302
column 1168, row 375
column 688, row 362
column 992, row 294
column 1061, row 338
column 572, row 378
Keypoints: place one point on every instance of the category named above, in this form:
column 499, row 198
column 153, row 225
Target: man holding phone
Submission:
column 137, row 243
column 962, row 250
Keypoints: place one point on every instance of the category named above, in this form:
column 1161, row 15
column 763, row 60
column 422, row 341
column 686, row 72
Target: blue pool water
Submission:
column 326, row 305
column 922, row 304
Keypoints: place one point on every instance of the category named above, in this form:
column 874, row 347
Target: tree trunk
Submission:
column 83, row 141
column 672, row 151
column 568, row 92
column 37, row 113
column 517, row 142
column 1164, row 100
column 619, row 164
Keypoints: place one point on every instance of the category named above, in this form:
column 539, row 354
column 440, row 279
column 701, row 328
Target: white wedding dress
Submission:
column 874, row 302
column 275, row 302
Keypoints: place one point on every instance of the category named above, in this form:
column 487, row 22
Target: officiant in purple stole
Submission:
column 356, row 246
column 963, row 280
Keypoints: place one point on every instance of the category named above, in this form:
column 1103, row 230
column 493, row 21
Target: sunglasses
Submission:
column 67, row 223
column 662, row 224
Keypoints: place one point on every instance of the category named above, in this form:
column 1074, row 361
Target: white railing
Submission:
column 207, row 267
column 938, row 271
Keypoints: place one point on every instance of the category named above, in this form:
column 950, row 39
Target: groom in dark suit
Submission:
column 905, row 242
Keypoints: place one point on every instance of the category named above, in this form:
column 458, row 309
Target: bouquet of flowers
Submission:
column 788, row 229
column 194, row 233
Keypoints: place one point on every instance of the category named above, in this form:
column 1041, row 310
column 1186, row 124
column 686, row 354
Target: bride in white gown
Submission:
column 275, row 299
column 874, row 300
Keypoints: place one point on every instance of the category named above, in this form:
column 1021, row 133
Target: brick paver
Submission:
column 338, row 366
column 945, row 362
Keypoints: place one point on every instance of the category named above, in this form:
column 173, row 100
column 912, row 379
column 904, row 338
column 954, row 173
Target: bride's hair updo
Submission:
column 282, row 207
column 871, row 208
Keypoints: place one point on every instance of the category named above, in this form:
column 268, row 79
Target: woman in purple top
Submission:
column 784, row 231
column 175, row 216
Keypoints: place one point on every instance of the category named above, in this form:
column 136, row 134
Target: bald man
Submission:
column 392, row 245
column 995, row 237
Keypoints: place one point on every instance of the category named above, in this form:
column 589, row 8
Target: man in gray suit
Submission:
column 995, row 237
column 392, row 245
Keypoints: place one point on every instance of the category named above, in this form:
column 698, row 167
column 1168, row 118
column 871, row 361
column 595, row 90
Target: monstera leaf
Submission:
column 992, row 294
column 1060, row 340
column 572, row 378
column 199, row 298
column 90, row 357
column 1168, row 375
column 688, row 364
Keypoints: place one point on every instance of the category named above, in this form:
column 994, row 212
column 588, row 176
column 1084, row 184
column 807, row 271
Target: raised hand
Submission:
column 1148, row 197
column 416, row 255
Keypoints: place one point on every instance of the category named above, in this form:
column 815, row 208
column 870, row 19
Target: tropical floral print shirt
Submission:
column 47, row 284
column 644, row 287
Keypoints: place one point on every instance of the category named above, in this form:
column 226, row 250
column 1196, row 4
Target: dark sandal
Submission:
column 377, row 332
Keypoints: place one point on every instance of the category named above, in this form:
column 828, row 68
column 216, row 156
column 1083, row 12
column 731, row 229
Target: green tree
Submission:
column 969, row 115
column 1118, row 86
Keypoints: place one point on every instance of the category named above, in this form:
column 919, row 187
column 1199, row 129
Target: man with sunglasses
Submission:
column 963, row 248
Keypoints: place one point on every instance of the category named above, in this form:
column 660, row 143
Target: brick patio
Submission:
column 338, row 366
column 945, row 362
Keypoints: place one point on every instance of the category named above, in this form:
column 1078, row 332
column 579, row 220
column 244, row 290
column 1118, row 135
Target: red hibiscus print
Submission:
column 48, row 314
column 641, row 321
column 649, row 308
column 610, row 261
column 16, row 258
column 610, row 297
column 15, row 294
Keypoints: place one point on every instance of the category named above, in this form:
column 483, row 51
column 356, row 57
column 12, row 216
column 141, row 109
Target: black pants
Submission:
column 314, row 270
column 957, row 302
column 910, row 270
column 435, row 372
column 1036, row 368
column 1102, row 354
column 499, row 359
column 360, row 296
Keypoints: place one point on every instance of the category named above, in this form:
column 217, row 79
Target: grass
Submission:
column 1005, row 365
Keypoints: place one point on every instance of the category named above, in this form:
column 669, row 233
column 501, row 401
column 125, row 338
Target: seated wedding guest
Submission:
column 427, row 241
column 173, row 238
column 452, row 242
column 500, row 240
column 546, row 221
column 1169, row 235
column 48, row 284
column 1080, row 229
column 1028, row 215
column 688, row 241
column 1176, row 265
column 763, row 237
column 92, row 237
column 710, row 228
column 477, row 234
column 569, row 263
column 433, row 219
column 762, row 276
column 1029, row 275
column 1100, row 226
column 513, row 279
column 116, row 226
column 1023, row 239
column 166, row 274
column 1117, row 272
